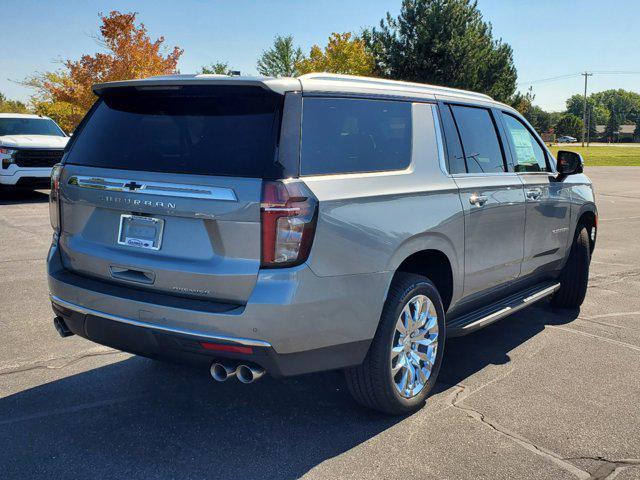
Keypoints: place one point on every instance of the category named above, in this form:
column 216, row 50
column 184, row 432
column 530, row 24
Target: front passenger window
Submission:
column 528, row 154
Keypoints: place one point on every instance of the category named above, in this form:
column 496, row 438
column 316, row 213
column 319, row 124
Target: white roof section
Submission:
column 21, row 115
column 331, row 82
column 311, row 82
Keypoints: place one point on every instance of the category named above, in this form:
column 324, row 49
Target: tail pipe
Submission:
column 249, row 373
column 222, row 371
column 61, row 327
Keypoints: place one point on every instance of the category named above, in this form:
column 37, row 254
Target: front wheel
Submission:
column 575, row 274
column 404, row 359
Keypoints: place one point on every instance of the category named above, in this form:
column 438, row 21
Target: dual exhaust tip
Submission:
column 245, row 373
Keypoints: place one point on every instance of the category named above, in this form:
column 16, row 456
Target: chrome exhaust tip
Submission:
column 249, row 374
column 220, row 371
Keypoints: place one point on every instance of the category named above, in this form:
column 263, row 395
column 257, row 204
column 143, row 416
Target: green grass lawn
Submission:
column 605, row 156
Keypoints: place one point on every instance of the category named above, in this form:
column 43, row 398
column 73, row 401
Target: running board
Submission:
column 476, row 320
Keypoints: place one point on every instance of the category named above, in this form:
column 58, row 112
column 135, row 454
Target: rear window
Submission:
column 222, row 130
column 342, row 135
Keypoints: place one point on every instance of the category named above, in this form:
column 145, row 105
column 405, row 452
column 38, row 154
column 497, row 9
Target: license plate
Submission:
column 140, row 232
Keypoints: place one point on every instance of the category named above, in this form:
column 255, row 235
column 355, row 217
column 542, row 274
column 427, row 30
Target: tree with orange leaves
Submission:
column 66, row 95
column 344, row 53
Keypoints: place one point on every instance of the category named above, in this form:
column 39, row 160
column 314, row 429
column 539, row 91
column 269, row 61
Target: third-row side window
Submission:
column 342, row 135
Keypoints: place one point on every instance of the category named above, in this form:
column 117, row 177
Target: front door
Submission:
column 547, row 200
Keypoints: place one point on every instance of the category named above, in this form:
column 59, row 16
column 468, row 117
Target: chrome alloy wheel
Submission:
column 415, row 344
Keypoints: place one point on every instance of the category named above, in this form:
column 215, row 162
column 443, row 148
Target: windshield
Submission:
column 221, row 130
column 29, row 126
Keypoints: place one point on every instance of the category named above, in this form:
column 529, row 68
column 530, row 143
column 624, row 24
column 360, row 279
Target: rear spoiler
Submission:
column 276, row 85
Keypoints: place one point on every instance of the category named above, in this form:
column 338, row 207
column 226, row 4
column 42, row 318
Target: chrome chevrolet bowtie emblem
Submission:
column 132, row 186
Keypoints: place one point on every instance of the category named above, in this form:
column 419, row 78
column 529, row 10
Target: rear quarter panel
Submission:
column 371, row 222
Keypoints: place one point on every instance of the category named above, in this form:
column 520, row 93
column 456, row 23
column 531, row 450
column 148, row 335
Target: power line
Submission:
column 571, row 75
column 550, row 79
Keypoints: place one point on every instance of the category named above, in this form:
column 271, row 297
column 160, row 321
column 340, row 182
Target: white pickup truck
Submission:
column 29, row 146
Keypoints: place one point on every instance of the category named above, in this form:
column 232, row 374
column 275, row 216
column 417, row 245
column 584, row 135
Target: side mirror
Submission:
column 569, row 163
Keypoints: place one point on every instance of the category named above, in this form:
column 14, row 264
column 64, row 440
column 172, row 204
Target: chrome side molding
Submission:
column 154, row 188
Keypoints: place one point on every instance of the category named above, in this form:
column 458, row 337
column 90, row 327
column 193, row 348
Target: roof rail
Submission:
column 383, row 82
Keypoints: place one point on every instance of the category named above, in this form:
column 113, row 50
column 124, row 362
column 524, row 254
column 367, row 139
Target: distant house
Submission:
column 625, row 133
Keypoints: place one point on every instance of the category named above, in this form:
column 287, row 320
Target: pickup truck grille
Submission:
column 37, row 158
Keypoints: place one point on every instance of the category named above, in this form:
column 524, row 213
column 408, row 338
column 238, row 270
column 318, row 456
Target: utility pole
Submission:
column 589, row 120
column 584, row 104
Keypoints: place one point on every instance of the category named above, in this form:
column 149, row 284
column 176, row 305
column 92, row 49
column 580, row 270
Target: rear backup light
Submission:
column 54, row 200
column 288, row 216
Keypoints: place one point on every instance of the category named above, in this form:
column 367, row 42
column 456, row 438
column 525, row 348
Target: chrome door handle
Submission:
column 477, row 200
column 534, row 193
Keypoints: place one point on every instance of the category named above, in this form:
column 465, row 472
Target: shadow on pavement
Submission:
column 491, row 345
column 142, row 419
column 17, row 195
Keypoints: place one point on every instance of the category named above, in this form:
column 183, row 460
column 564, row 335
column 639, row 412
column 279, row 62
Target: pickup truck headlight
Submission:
column 6, row 154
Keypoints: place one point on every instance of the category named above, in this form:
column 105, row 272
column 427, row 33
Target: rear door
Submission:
column 547, row 199
column 492, row 198
column 161, row 189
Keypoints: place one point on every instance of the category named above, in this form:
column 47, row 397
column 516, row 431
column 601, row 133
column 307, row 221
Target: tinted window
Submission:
column 454, row 147
column 479, row 139
column 198, row 130
column 528, row 154
column 29, row 126
column 348, row 135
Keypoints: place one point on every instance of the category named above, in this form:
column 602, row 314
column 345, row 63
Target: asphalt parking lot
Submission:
column 542, row 394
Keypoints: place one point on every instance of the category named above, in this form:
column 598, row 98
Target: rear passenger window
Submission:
column 528, row 154
column 479, row 139
column 342, row 135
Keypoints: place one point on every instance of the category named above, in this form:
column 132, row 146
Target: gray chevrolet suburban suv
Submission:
column 293, row 225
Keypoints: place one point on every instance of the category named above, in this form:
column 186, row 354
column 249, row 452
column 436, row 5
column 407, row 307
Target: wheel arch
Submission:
column 433, row 256
column 588, row 217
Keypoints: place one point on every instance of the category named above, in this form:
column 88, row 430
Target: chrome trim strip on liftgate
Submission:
column 155, row 188
column 223, row 338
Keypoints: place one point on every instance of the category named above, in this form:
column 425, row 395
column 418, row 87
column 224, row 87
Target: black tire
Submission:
column 575, row 274
column 371, row 383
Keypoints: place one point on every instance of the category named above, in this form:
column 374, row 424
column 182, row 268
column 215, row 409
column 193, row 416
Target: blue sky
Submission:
column 549, row 38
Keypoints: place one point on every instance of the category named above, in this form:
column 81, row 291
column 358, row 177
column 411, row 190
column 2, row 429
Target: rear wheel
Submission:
column 404, row 359
column 575, row 274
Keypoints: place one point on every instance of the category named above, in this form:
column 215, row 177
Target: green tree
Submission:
column 217, row 68
column 613, row 126
column 636, row 132
column 536, row 116
column 344, row 53
column 539, row 119
column 11, row 106
column 443, row 42
column 624, row 102
column 281, row 59
column 569, row 125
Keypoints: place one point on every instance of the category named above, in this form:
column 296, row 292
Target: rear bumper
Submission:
column 15, row 175
column 295, row 322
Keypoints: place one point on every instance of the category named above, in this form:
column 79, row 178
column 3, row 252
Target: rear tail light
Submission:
column 288, row 215
column 54, row 198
